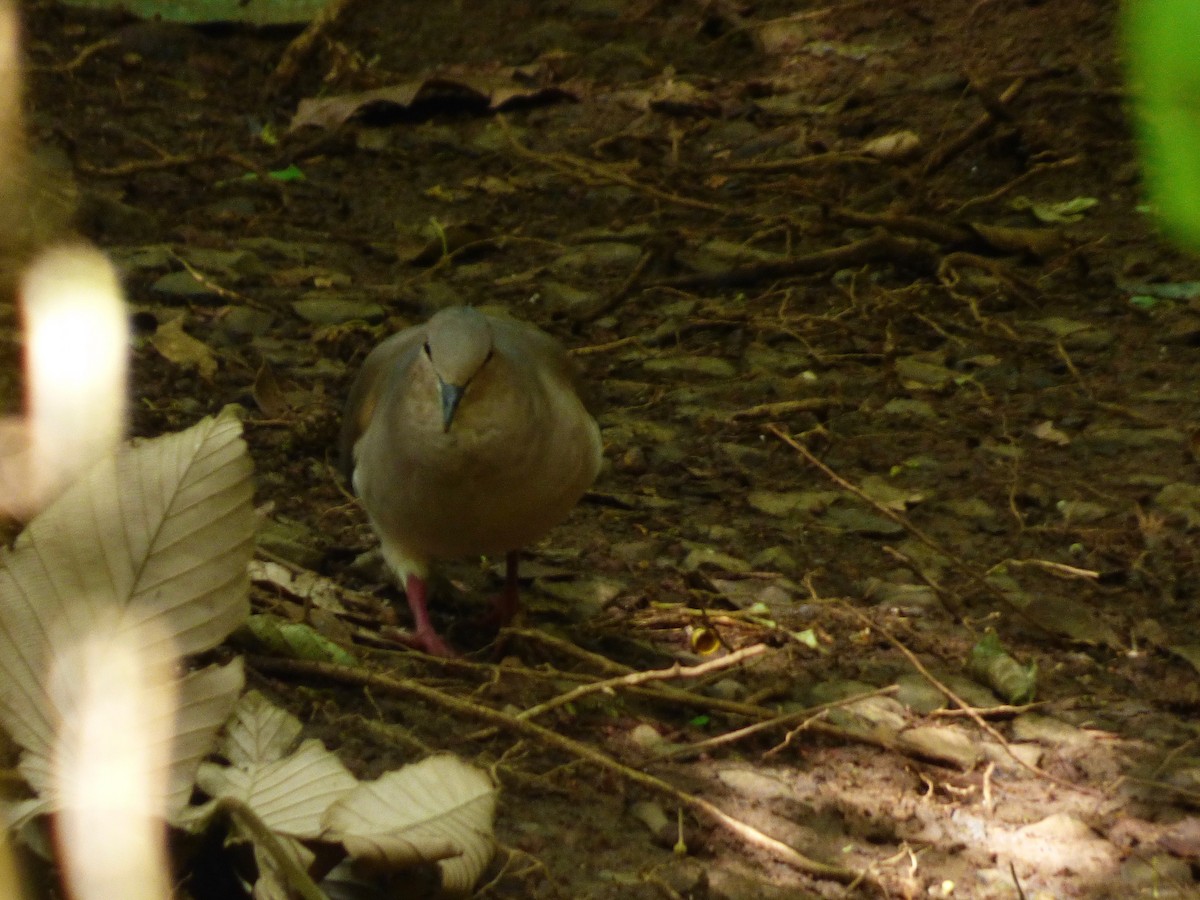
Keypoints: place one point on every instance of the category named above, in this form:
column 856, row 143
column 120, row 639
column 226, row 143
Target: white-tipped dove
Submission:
column 465, row 436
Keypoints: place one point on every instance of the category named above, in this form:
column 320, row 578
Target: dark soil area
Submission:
column 877, row 380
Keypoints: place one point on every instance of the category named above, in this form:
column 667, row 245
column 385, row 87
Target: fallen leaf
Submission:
column 1182, row 501
column 179, row 347
column 292, row 640
column 896, row 146
column 269, row 395
column 992, row 665
column 1082, row 511
column 947, row 743
column 439, row 809
column 888, row 495
column 1047, row 432
column 489, row 90
column 1038, row 242
column 1062, row 213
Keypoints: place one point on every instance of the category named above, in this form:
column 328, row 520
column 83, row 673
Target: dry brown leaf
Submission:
column 492, row 91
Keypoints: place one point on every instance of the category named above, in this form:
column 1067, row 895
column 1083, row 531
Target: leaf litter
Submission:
column 951, row 338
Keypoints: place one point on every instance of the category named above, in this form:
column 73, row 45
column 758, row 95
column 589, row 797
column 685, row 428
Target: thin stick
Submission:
column 636, row 678
column 914, row 253
column 859, row 493
column 778, row 408
column 963, row 704
column 297, row 878
column 977, row 577
column 1032, row 172
column 1062, row 570
column 800, row 716
column 588, row 171
column 603, row 663
column 606, row 347
column 80, row 58
column 665, row 693
column 698, row 805
column 617, row 297
column 992, row 110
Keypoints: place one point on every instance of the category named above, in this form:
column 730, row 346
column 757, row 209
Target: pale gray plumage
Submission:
column 465, row 436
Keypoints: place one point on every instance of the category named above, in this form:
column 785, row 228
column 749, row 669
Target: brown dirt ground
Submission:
column 1016, row 403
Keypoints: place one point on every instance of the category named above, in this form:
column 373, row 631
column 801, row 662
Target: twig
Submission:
column 1192, row 797
column 1033, row 172
column 511, row 856
column 603, row 663
column 698, row 805
column 1171, row 756
column 947, row 151
column 169, row 161
column 917, row 226
column 800, row 162
column 657, row 693
column 978, row 578
column 1054, row 568
column 611, row 302
column 607, row 347
column 945, row 597
column 739, row 24
column 80, row 58
column 1075, row 373
column 779, row 408
column 989, row 802
column 845, row 485
column 801, row 716
column 583, row 169
column 203, row 280
column 911, row 252
column 636, row 678
column 951, row 262
column 1003, row 709
column 248, row 820
column 963, row 704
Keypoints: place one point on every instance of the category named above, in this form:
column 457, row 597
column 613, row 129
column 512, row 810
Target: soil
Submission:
column 876, row 382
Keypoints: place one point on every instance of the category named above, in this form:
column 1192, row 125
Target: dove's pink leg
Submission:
column 424, row 636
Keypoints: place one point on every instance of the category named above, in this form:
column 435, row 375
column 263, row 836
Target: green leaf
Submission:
column 291, row 173
column 991, row 664
column 807, row 637
column 293, row 640
column 194, row 12
column 1164, row 70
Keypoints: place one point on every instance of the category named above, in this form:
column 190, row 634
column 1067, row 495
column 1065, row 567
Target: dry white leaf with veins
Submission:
column 439, row 809
column 258, row 732
column 289, row 795
column 288, row 792
column 137, row 563
column 153, row 544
